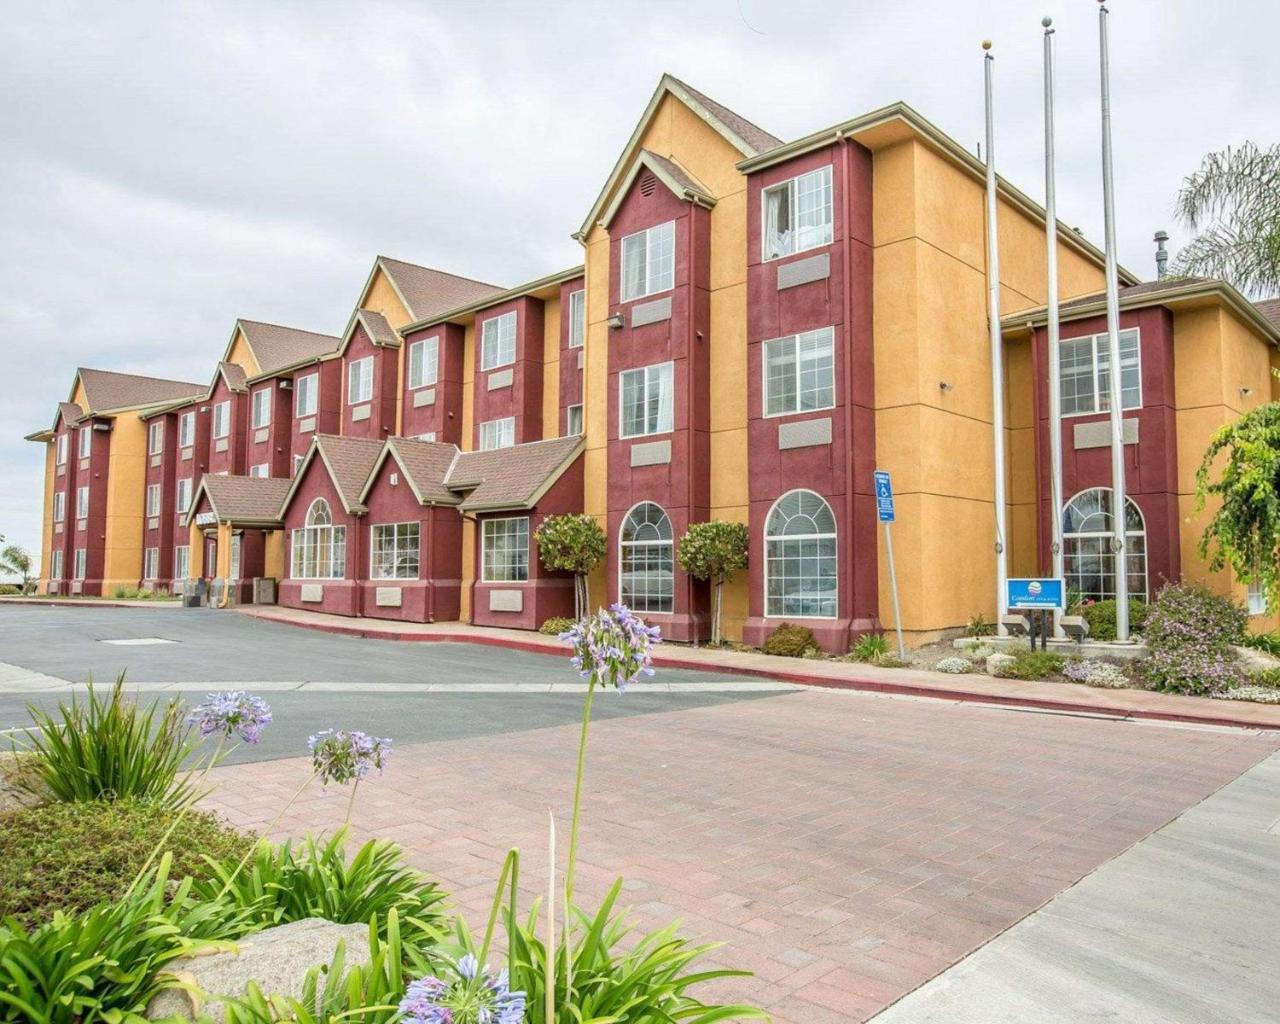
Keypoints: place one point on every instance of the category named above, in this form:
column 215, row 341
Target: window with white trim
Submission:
column 82, row 502
column 86, row 441
column 183, row 502
column 498, row 341
column 646, row 564
column 234, row 567
column 1089, row 565
column 395, row 551
column 649, row 261
column 1084, row 372
column 1257, row 599
column 504, row 550
column 82, row 558
column 186, row 430
column 153, row 499
column 498, row 433
column 151, row 564
column 55, row 573
column 800, row 572
column 297, row 464
column 262, row 408
column 573, row 420
column 798, row 214
column 59, row 506
column 62, row 449
column 800, row 372
column 424, row 362
column 305, row 391
column 155, row 437
column 360, row 380
column 577, row 318
column 262, row 469
column 647, row 400
column 430, row 435
column 319, row 549
column 181, row 562
column 222, row 418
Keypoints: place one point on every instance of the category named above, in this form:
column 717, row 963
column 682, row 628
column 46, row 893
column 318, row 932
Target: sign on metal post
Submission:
column 885, row 513
column 1041, row 597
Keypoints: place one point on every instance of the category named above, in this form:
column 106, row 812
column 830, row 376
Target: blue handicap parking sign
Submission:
column 884, row 496
column 1036, row 593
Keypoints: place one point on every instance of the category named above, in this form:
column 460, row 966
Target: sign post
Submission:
column 1041, row 598
column 885, row 513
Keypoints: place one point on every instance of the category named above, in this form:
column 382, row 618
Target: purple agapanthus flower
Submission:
column 469, row 995
column 612, row 646
column 232, row 711
column 340, row 756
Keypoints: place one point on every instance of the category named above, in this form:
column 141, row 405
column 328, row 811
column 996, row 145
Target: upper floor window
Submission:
column 298, row 460
column 1085, row 370
column 186, row 430
column 304, row 392
column 155, row 437
column 577, row 318
column 222, row 418
column 424, row 358
column 62, row 449
column 647, row 400
column 573, row 420
column 184, row 495
column 59, row 506
column 800, row 372
column 261, row 408
column 504, row 551
column 430, row 435
column 498, row 341
column 498, row 433
column 153, row 499
column 649, row 261
column 360, row 380
column 395, row 551
column 82, row 502
column 798, row 214
column 86, row 441
column 262, row 469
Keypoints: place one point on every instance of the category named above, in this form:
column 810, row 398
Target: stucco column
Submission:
column 195, row 551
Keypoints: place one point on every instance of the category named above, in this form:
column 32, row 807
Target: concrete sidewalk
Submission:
column 1067, row 697
column 1183, row 928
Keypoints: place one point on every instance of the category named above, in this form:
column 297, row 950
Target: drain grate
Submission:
column 139, row 641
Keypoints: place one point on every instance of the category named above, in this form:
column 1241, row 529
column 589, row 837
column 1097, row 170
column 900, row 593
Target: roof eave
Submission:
column 45, row 435
column 560, row 277
column 678, row 189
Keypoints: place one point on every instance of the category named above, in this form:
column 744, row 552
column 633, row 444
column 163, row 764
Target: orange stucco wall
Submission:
column 126, row 490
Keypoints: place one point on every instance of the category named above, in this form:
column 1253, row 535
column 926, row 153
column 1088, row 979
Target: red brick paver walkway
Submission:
column 845, row 847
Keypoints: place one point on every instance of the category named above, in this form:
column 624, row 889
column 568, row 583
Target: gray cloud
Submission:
column 168, row 167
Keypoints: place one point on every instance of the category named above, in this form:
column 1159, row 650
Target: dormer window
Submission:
column 649, row 261
column 798, row 214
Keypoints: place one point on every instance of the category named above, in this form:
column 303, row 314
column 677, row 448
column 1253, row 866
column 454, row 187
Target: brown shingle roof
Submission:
column 1152, row 289
column 511, row 477
column 70, row 412
column 426, row 464
column 276, row 347
column 1270, row 308
column 427, row 292
column 753, row 135
column 244, row 499
column 234, row 374
column 375, row 325
column 681, row 176
column 350, row 461
column 106, row 389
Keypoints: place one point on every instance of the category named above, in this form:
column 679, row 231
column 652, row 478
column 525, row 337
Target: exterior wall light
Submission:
column 616, row 322
column 944, row 387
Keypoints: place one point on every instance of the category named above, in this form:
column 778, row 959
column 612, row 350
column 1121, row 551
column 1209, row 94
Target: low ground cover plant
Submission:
column 954, row 666
column 1031, row 665
column 1096, row 673
column 556, row 625
column 788, row 641
column 1189, row 633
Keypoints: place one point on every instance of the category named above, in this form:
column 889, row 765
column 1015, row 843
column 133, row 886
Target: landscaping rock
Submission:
column 1255, row 660
column 13, row 795
column 278, row 959
column 996, row 661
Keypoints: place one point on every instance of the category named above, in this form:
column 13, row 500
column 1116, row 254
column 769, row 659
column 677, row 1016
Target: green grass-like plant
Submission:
column 870, row 647
column 1267, row 643
column 110, row 748
column 1029, row 664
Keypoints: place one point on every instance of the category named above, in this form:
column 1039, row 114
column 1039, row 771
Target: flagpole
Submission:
column 1118, row 503
column 997, row 349
column 1051, row 263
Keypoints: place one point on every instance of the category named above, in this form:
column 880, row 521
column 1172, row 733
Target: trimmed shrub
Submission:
column 71, row 857
column 955, row 666
column 1101, row 616
column 788, row 641
column 1189, row 632
column 556, row 625
column 1029, row 664
column 9, row 590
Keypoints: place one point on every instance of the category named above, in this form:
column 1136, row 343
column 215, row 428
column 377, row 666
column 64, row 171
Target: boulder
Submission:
column 278, row 959
column 1255, row 660
column 994, row 661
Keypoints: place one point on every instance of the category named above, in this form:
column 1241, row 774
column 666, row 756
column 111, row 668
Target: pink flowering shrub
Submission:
column 1189, row 631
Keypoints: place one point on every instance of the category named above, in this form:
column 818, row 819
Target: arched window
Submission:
column 1087, row 529
column 800, row 557
column 319, row 549
column 646, row 568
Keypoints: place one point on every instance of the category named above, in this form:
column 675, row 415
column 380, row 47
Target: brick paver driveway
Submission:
column 845, row 847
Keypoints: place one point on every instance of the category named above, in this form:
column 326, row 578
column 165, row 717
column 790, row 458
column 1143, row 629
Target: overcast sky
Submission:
column 167, row 167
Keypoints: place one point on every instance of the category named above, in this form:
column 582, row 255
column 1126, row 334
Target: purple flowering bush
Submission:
column 467, row 994
column 341, row 756
column 1189, row 632
column 231, row 712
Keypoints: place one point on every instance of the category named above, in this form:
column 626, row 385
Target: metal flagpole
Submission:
column 1055, row 354
column 997, row 354
column 1119, row 556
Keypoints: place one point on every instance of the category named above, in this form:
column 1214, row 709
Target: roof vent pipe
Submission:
column 1162, row 255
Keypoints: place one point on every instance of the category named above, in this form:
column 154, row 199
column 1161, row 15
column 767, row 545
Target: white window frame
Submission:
column 62, row 448
column 569, row 415
column 153, row 500
column 80, row 566
column 182, row 495
column 823, row 232
column 1256, row 599
column 655, row 374
column 55, row 571
column 306, row 387
column 82, row 502
column 261, row 403
column 181, row 561
column 305, row 546
column 233, row 567
column 262, row 470
column 59, row 506
column 627, row 548
column 429, row 436
column 498, row 347
column 155, row 437
column 426, row 371
column 151, row 564
column 657, row 246
column 222, row 419
column 484, row 549
column 1099, row 349
column 365, row 367
column 84, row 443
column 494, row 432
column 399, row 547
column 297, row 464
column 770, row 541
column 577, row 318
column 1075, row 544
column 186, row 430
column 798, row 364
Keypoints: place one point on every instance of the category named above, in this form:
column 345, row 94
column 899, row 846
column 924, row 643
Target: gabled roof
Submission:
column 347, row 460
column 242, row 499
column 426, row 292
column 277, row 348
column 375, row 325
column 233, row 374
column 681, row 183
column 425, row 465
column 495, row 299
column 107, row 391
column 70, row 412
column 747, row 138
column 512, row 478
column 1270, row 308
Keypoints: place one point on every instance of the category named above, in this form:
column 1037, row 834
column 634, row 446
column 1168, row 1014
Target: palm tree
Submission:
column 1233, row 201
column 15, row 560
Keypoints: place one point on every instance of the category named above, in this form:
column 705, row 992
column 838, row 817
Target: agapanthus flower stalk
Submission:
column 232, row 712
column 467, row 994
column 340, row 756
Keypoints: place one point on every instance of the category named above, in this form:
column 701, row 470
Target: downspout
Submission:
column 846, row 288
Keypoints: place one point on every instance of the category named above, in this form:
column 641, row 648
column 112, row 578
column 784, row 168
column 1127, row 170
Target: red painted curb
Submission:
column 664, row 660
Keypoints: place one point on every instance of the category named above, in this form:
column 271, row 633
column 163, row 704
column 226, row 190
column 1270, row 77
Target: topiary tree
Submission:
column 714, row 551
column 574, row 543
column 1244, row 531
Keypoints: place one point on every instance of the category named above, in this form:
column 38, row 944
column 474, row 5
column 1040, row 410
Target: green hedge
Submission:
column 1101, row 616
column 788, row 641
